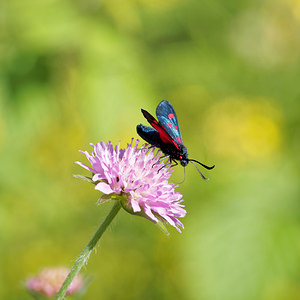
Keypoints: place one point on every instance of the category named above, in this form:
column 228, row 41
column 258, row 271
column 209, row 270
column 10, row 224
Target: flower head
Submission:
column 137, row 176
column 49, row 281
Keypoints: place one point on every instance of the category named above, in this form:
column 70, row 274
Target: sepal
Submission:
column 85, row 178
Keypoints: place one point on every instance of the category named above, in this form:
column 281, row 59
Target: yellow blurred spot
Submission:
column 260, row 135
column 243, row 129
column 294, row 6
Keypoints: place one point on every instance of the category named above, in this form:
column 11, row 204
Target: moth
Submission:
column 165, row 135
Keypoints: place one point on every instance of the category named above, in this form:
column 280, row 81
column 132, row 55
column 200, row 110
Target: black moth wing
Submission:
column 167, row 117
column 150, row 135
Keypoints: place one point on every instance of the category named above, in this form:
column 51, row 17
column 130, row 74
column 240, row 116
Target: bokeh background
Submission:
column 75, row 72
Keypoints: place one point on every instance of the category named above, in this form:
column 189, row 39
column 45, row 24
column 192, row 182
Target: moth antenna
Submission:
column 203, row 165
column 203, row 177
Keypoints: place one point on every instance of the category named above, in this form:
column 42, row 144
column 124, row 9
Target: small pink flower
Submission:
column 49, row 281
column 135, row 175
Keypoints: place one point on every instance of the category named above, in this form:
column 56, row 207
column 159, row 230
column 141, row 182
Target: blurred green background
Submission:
column 75, row 72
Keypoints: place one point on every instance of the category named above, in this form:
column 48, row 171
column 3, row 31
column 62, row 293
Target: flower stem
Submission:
column 84, row 256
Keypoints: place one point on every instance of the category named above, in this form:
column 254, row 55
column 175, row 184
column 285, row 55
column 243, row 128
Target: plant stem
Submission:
column 84, row 256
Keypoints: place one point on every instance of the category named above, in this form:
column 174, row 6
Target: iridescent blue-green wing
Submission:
column 167, row 118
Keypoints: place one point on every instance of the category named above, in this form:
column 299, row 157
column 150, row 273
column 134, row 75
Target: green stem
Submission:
column 84, row 256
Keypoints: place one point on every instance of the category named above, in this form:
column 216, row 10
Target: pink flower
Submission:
column 136, row 175
column 49, row 281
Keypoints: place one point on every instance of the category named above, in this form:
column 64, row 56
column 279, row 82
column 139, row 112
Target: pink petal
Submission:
column 84, row 166
column 97, row 177
column 104, row 188
column 135, row 206
column 149, row 213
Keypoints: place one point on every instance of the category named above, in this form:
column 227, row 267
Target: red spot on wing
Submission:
column 176, row 127
column 179, row 139
column 171, row 116
column 169, row 124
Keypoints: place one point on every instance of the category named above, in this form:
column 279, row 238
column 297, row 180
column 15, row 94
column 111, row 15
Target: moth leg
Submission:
column 161, row 159
column 170, row 163
column 151, row 147
column 176, row 163
column 166, row 165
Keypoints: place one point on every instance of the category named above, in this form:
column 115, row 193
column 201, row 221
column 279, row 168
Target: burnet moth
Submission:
column 166, row 136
